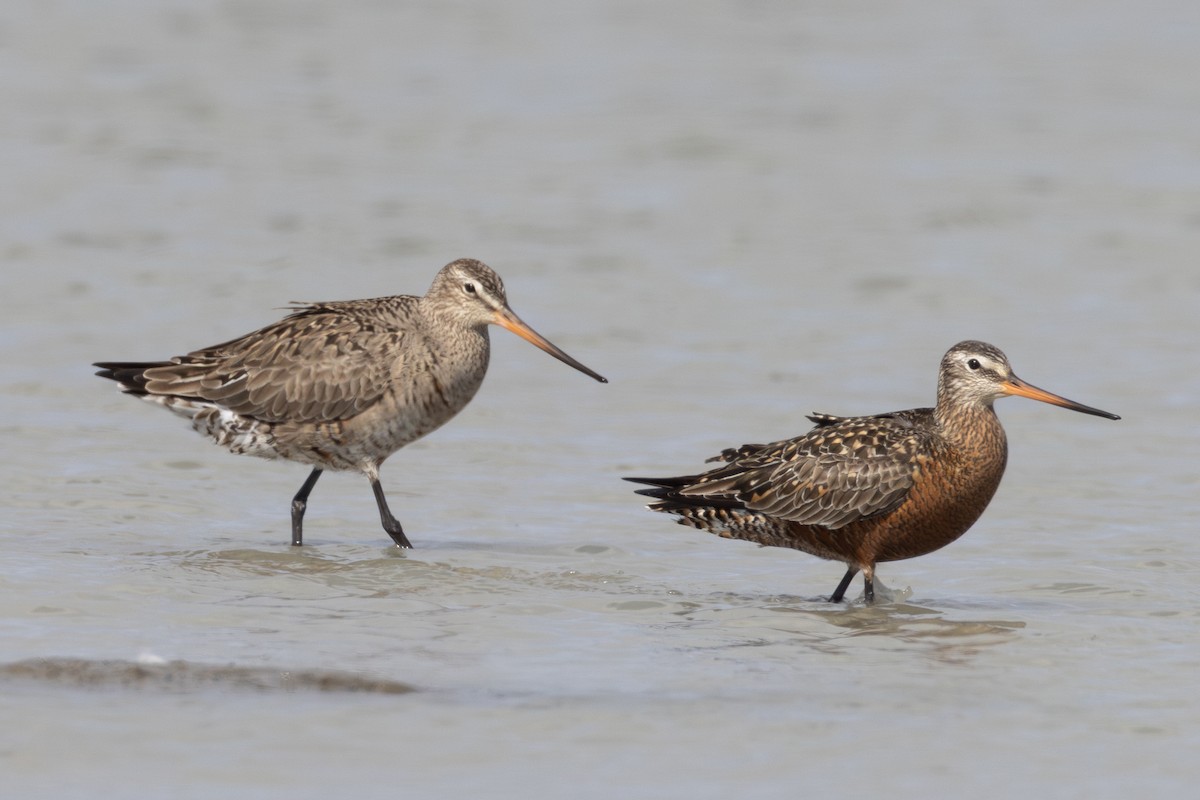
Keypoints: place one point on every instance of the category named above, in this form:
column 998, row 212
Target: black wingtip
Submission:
column 665, row 483
column 110, row 370
column 662, row 488
column 656, row 490
column 130, row 374
column 647, row 481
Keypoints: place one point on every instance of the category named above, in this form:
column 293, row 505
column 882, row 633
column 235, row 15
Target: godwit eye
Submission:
column 469, row 288
column 973, row 363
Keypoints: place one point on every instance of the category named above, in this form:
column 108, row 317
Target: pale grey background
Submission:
column 740, row 212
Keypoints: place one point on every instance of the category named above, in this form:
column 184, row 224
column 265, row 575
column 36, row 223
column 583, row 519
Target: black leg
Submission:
column 840, row 591
column 299, row 503
column 390, row 523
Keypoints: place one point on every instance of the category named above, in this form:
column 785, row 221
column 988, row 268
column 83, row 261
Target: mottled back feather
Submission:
column 323, row 362
column 843, row 470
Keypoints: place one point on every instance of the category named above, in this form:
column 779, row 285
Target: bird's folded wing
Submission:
column 320, row 364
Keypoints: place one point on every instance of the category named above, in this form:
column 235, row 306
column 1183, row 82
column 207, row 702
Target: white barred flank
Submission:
column 235, row 433
column 733, row 523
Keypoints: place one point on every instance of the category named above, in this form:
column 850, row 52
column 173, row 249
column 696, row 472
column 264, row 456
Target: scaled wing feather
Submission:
column 320, row 364
column 842, row 471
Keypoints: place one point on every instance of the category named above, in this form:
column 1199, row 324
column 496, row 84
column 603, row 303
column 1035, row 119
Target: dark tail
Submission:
column 663, row 487
column 666, row 492
column 130, row 374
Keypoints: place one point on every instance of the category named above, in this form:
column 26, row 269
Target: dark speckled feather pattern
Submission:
column 865, row 489
column 844, row 470
column 324, row 362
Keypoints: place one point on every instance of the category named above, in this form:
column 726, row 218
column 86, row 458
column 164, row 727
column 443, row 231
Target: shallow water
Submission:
column 738, row 212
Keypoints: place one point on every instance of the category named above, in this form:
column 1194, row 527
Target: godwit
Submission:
column 861, row 490
column 341, row 385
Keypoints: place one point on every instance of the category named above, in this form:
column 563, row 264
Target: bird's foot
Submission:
column 393, row 529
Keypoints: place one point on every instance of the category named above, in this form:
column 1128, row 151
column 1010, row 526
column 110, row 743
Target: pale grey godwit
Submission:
column 861, row 490
column 341, row 385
